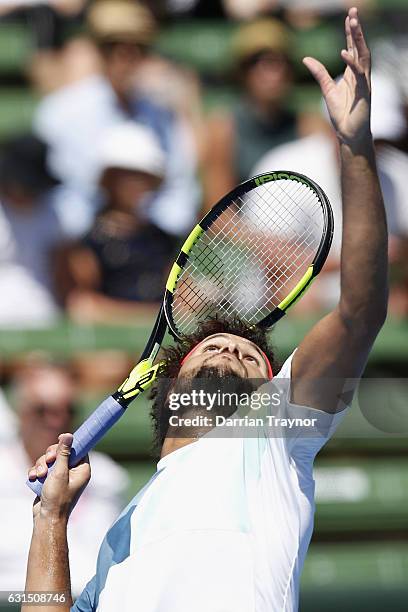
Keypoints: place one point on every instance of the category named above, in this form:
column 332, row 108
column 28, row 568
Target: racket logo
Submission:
column 276, row 176
column 140, row 378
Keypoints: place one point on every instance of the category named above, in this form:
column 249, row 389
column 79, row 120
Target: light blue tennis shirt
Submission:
column 223, row 526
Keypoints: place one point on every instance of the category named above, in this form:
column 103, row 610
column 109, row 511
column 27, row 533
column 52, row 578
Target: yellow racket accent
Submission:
column 194, row 235
column 140, row 378
column 173, row 276
column 297, row 291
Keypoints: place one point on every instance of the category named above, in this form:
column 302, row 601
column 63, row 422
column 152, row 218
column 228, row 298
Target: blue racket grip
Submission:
column 85, row 438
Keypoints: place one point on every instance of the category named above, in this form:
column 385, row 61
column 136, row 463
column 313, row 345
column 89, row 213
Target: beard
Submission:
column 219, row 381
column 212, row 391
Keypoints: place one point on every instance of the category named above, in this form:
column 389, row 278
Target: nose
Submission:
column 232, row 348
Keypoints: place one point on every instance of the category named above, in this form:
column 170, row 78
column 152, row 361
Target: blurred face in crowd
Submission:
column 121, row 61
column 127, row 189
column 45, row 398
column 267, row 77
column 16, row 196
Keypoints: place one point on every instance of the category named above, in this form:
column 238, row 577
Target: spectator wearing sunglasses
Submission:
column 44, row 398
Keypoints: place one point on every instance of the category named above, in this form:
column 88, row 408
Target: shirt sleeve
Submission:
column 305, row 429
column 86, row 601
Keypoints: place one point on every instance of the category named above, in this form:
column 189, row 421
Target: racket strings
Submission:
column 251, row 257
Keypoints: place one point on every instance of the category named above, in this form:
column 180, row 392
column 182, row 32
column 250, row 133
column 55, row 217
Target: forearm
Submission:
column 48, row 564
column 364, row 286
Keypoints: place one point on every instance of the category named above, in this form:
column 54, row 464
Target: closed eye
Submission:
column 210, row 348
column 251, row 359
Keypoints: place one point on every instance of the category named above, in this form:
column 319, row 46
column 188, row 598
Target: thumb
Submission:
column 320, row 73
column 63, row 452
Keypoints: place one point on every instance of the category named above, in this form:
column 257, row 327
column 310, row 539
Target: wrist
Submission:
column 358, row 145
column 50, row 518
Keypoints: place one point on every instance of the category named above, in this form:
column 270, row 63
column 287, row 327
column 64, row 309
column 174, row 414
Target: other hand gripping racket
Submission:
column 252, row 256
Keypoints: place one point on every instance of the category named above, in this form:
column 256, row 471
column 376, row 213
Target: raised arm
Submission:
column 48, row 565
column 338, row 346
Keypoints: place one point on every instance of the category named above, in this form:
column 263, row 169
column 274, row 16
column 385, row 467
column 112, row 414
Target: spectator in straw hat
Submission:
column 72, row 119
column 117, row 271
column 260, row 120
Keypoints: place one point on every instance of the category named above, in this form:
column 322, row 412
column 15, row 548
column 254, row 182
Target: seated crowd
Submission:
column 120, row 163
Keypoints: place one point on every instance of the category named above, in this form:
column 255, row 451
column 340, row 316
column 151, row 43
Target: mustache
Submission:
column 223, row 369
column 220, row 372
column 212, row 380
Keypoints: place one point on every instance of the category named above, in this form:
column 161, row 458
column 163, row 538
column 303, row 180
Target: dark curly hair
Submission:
column 173, row 357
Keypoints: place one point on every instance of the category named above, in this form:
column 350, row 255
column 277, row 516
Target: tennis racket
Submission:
column 252, row 256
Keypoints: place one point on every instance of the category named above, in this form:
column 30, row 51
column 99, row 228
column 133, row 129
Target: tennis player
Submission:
column 225, row 523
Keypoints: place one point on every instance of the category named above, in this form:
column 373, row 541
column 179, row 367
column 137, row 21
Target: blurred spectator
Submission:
column 260, row 120
column 29, row 234
column 54, row 61
column 118, row 269
column 242, row 9
column 68, row 7
column 316, row 156
column 179, row 88
column 52, row 68
column 189, row 8
column 247, row 9
column 305, row 14
column 391, row 61
column 235, row 9
column 73, row 119
column 44, row 398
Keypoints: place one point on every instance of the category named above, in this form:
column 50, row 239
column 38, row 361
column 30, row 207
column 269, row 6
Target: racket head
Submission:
column 253, row 255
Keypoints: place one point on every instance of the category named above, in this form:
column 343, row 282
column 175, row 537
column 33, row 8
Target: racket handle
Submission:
column 87, row 436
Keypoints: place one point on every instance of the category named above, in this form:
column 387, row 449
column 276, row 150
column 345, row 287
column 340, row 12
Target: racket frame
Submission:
column 247, row 186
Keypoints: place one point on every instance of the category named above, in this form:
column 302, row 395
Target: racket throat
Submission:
column 139, row 379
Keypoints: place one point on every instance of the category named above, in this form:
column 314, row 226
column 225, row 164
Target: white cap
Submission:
column 132, row 146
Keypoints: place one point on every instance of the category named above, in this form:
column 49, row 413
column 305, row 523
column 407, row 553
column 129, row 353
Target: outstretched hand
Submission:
column 348, row 100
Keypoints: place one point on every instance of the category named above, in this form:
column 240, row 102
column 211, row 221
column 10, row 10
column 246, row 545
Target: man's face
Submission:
column 229, row 354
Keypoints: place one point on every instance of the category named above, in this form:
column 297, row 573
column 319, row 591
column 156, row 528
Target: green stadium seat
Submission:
column 16, row 110
column 203, row 45
column 361, row 495
column 139, row 474
column 67, row 338
column 357, row 577
column 16, row 46
column 206, row 45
